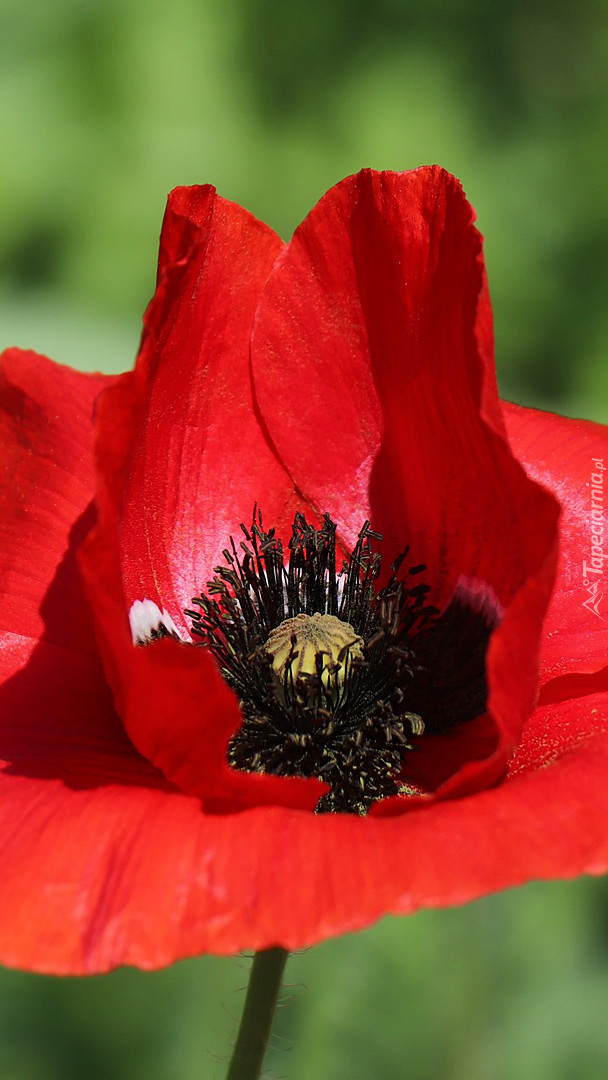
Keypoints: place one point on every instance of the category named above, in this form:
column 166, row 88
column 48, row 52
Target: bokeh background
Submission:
column 104, row 106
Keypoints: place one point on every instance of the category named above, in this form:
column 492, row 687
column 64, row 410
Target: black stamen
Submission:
column 345, row 719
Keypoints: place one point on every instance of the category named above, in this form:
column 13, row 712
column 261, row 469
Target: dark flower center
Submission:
column 325, row 665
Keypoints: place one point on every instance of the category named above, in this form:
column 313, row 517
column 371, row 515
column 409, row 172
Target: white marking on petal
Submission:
column 480, row 597
column 148, row 623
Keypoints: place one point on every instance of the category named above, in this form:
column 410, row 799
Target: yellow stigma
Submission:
column 296, row 643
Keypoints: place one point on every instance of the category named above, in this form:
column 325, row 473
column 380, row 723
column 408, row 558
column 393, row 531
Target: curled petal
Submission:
column 181, row 462
column 374, row 330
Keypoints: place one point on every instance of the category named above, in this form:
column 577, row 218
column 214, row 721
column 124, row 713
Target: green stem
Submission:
column 256, row 1022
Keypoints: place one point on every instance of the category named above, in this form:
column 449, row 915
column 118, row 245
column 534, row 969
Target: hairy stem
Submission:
column 256, row 1022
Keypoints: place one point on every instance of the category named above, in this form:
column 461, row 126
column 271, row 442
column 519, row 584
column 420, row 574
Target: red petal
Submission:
column 197, row 460
column 562, row 454
column 49, row 667
column 374, row 333
column 182, row 461
column 58, row 729
column 47, row 484
column 163, row 880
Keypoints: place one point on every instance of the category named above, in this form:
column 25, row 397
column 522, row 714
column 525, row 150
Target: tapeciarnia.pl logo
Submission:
column 593, row 570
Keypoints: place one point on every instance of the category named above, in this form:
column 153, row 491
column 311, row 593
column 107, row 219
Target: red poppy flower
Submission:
column 347, row 374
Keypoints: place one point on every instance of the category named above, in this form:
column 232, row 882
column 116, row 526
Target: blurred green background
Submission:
column 104, row 106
